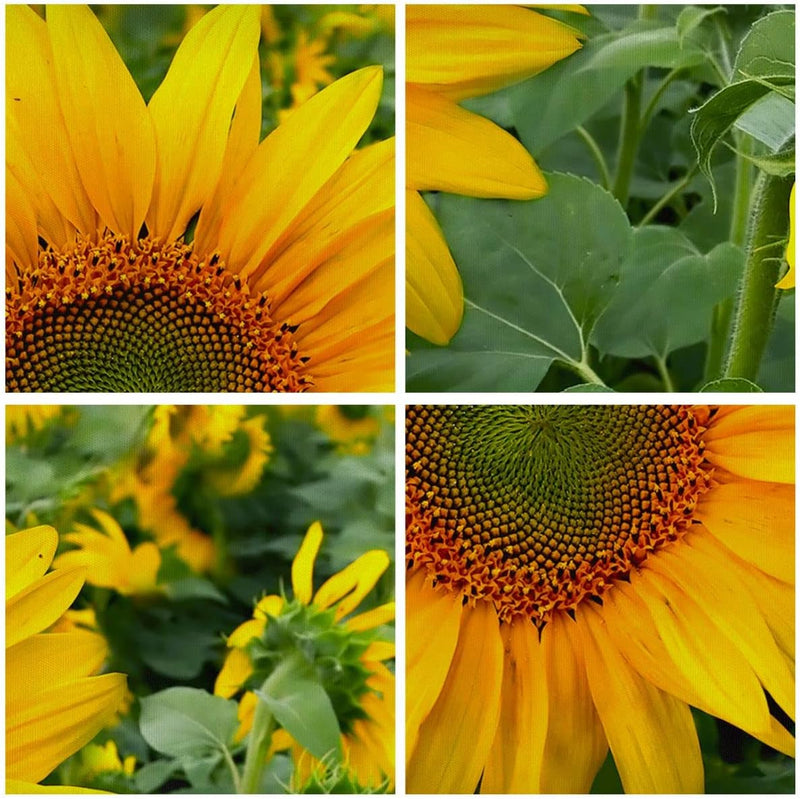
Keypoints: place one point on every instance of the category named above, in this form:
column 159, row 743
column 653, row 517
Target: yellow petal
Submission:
column 515, row 759
column 245, row 632
column 730, row 608
column 788, row 280
column 40, row 604
column 303, row 564
column 109, row 128
column 754, row 441
column 371, row 619
column 646, row 639
column 651, row 734
column 434, row 296
column 697, row 647
column 36, row 126
column 347, row 588
column 468, row 50
column 192, row 111
column 242, row 143
column 235, row 670
column 755, row 520
column 29, row 664
column 361, row 190
column 428, row 657
column 455, row 738
column 293, row 163
column 20, row 786
column 22, row 244
column 41, row 734
column 270, row 605
column 451, row 149
column 29, row 554
column 576, row 744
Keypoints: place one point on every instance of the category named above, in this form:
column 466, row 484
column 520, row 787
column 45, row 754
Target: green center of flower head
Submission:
column 114, row 315
column 537, row 508
column 316, row 648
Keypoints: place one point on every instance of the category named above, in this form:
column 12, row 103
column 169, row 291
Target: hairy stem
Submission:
column 755, row 311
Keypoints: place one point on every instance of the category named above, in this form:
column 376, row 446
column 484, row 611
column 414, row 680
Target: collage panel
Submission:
column 200, row 599
column 599, row 198
column 600, row 598
column 200, row 200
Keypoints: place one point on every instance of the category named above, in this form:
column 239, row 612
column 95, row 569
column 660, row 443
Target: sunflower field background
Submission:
column 657, row 259
column 303, row 48
column 181, row 519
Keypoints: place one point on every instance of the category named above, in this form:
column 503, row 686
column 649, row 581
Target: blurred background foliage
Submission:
column 303, row 49
column 214, row 502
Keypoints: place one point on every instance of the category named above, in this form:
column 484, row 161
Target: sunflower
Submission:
column 318, row 630
column 161, row 247
column 452, row 53
column 108, row 558
column 53, row 705
column 579, row 576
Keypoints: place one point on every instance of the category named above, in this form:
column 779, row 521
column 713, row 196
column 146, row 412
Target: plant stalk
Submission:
column 723, row 311
column 755, row 312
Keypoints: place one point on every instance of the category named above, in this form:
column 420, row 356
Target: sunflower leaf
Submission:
column 732, row 385
column 188, row 723
column 536, row 277
column 303, row 708
column 650, row 314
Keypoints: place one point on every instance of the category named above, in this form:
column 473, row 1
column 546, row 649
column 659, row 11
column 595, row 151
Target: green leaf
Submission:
column 770, row 120
column 666, row 295
column 691, row 18
column 194, row 588
column 732, row 385
column 188, row 723
column 570, row 92
column 153, row 775
column 768, row 49
column 715, row 117
column 536, row 277
column 588, row 388
column 781, row 164
column 304, row 710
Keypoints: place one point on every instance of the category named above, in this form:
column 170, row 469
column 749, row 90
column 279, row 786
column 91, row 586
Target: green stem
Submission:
column 586, row 372
column 631, row 128
column 629, row 139
column 662, row 87
column 666, row 378
column 757, row 299
column 667, row 198
column 723, row 311
column 257, row 748
column 597, row 154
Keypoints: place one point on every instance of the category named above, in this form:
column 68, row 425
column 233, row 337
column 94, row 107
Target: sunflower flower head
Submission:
column 53, row 703
column 315, row 638
column 108, row 558
column 591, row 572
column 455, row 52
column 164, row 247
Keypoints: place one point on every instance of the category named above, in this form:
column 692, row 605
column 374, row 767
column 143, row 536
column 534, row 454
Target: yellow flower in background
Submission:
column 108, row 559
column 454, row 52
column 579, row 576
column 53, row 704
column 22, row 420
column 368, row 741
column 176, row 434
column 99, row 758
column 353, row 428
column 288, row 282
column 788, row 280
